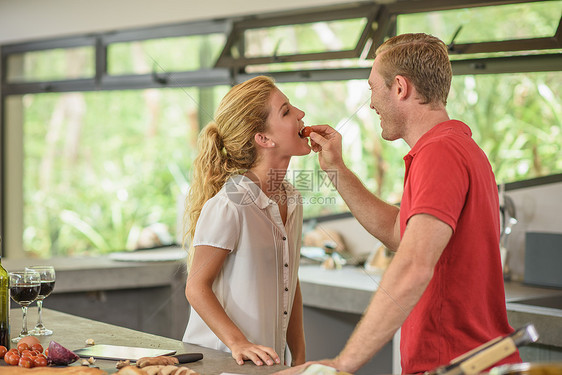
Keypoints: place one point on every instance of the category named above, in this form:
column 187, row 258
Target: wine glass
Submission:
column 24, row 289
column 47, row 274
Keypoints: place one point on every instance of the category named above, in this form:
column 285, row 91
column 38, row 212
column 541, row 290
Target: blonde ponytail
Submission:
column 226, row 146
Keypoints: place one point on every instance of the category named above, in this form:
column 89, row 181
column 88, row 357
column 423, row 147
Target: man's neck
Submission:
column 423, row 122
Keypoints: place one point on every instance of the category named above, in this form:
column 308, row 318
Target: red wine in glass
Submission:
column 24, row 294
column 24, row 289
column 48, row 277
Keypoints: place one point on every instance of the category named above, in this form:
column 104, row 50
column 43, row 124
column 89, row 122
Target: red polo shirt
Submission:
column 448, row 176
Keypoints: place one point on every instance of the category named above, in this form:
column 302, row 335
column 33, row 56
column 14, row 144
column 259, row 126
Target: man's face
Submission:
column 384, row 102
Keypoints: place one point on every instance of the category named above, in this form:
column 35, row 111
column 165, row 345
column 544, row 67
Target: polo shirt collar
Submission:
column 454, row 126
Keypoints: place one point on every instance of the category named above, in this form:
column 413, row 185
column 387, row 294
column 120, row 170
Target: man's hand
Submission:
column 256, row 353
column 326, row 141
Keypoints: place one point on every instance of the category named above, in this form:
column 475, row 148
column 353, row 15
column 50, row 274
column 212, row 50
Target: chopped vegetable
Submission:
column 59, row 355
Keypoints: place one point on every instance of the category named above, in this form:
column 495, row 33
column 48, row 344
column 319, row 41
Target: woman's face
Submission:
column 284, row 124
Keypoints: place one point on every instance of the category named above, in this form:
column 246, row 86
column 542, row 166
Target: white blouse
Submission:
column 257, row 283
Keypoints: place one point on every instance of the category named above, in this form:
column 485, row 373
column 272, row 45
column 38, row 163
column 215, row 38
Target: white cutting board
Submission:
column 117, row 352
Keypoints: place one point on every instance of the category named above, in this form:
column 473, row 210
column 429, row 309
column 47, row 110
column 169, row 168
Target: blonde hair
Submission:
column 423, row 59
column 226, row 145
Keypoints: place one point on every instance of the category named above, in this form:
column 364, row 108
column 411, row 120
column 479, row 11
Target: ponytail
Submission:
column 226, row 146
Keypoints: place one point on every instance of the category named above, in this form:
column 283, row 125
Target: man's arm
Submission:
column 376, row 216
column 402, row 286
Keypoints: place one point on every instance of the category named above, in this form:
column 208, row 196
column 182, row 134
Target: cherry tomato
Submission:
column 47, row 352
column 3, row 351
column 37, row 347
column 23, row 346
column 12, row 358
column 40, row 361
column 25, row 362
column 306, row 131
column 26, row 353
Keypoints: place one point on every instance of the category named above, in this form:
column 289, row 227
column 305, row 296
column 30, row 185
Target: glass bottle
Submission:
column 4, row 306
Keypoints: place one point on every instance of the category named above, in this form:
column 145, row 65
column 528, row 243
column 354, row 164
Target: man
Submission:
column 444, row 286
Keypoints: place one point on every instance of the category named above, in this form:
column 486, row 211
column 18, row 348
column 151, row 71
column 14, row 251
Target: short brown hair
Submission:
column 421, row 58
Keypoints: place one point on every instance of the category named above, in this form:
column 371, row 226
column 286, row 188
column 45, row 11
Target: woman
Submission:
column 245, row 225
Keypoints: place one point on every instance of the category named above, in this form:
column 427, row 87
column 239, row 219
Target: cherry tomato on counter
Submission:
column 40, row 361
column 25, row 362
column 12, row 358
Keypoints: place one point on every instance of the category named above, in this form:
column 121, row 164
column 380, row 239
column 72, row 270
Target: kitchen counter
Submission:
column 116, row 289
column 72, row 331
column 349, row 290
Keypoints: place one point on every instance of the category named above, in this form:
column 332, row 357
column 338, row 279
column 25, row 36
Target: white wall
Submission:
column 22, row 20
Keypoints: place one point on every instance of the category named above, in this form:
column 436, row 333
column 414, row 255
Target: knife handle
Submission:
column 188, row 357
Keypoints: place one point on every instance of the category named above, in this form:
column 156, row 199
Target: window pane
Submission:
column 304, row 38
column 51, row 65
column 483, row 24
column 515, row 118
column 168, row 54
column 104, row 171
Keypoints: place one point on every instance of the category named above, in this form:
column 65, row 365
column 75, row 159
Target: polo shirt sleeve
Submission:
column 218, row 224
column 439, row 182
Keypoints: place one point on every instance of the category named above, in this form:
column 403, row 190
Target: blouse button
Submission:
column 286, row 289
column 286, row 265
column 284, row 312
column 284, row 238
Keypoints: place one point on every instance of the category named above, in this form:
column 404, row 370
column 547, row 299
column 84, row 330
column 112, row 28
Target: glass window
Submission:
column 304, row 38
column 105, row 171
column 515, row 118
column 168, row 54
column 484, row 24
column 51, row 65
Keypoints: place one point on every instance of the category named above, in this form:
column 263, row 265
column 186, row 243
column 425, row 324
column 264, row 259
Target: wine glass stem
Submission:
column 39, row 324
column 24, row 322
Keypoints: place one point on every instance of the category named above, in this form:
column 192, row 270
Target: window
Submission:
column 513, row 21
column 106, row 170
column 170, row 54
column 51, row 65
column 305, row 38
column 100, row 130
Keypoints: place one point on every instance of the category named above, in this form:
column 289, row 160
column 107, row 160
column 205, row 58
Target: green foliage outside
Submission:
column 100, row 167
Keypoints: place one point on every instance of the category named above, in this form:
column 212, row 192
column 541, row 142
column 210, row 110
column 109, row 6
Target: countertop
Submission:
column 111, row 272
column 346, row 290
column 350, row 290
column 71, row 332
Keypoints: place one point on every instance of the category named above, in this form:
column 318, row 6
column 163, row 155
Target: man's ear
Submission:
column 263, row 141
column 403, row 87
